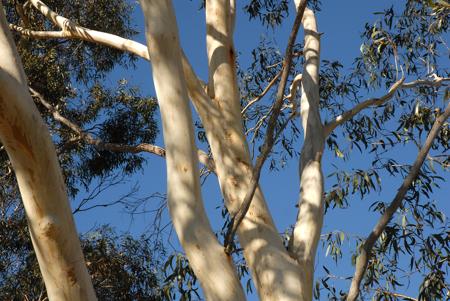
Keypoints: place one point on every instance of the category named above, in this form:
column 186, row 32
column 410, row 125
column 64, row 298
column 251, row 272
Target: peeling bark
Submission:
column 206, row 256
column 33, row 157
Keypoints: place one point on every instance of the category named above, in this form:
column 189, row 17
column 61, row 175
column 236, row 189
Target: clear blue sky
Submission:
column 341, row 22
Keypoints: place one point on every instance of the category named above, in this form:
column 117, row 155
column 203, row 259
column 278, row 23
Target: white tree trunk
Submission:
column 275, row 274
column 206, row 256
column 33, row 157
column 307, row 230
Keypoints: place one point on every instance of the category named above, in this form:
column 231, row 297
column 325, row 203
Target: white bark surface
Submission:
column 32, row 154
column 206, row 256
column 275, row 273
column 307, row 230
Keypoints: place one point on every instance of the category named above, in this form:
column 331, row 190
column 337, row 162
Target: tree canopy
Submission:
column 351, row 129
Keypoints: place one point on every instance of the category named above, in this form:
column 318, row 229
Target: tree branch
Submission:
column 365, row 253
column 71, row 30
column 329, row 127
column 206, row 257
column 269, row 139
column 113, row 147
column 263, row 93
column 306, row 233
column 404, row 297
column 400, row 84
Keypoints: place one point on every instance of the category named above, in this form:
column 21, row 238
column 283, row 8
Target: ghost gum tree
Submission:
column 265, row 107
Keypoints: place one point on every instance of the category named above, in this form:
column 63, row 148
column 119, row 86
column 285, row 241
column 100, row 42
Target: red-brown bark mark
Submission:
column 245, row 165
column 230, row 198
column 263, row 218
column 30, row 172
column 71, row 275
column 227, row 135
column 234, row 181
column 21, row 139
column 50, row 230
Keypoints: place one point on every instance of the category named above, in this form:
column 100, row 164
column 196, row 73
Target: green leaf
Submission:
column 342, row 236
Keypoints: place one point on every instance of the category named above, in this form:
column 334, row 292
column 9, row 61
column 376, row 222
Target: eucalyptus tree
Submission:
column 293, row 104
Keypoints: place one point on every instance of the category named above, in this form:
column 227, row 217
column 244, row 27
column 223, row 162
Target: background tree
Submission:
column 240, row 106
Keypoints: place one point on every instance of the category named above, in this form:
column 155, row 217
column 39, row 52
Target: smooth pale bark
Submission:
column 270, row 135
column 71, row 30
column 33, row 157
column 275, row 273
column 307, row 230
column 206, row 256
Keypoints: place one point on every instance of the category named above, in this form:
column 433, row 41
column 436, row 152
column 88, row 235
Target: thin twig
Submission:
column 113, row 147
column 400, row 84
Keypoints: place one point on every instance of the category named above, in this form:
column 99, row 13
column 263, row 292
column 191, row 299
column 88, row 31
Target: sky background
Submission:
column 341, row 23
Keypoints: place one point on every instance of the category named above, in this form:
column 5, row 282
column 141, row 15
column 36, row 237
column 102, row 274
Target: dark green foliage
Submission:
column 180, row 282
column 121, row 267
column 123, row 117
column 272, row 13
column 269, row 12
column 85, row 61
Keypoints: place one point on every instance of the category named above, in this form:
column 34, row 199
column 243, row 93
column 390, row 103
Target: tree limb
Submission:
column 400, row 84
column 71, row 30
column 263, row 93
column 210, row 264
column 365, row 252
column 113, row 147
column 306, row 232
column 43, row 193
column 329, row 127
column 404, row 297
column 269, row 139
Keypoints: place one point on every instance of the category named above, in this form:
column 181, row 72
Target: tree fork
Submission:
column 269, row 138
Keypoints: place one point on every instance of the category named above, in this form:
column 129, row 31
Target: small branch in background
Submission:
column 436, row 81
column 397, row 295
column 366, row 250
column 263, row 93
column 113, row 147
column 329, row 127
